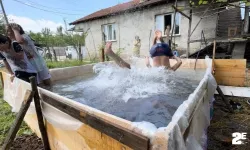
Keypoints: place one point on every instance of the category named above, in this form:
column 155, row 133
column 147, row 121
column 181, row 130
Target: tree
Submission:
column 60, row 38
column 48, row 41
column 75, row 39
column 59, row 31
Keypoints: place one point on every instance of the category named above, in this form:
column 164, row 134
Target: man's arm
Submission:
column 17, row 53
column 119, row 61
column 178, row 64
column 8, row 67
column 19, row 37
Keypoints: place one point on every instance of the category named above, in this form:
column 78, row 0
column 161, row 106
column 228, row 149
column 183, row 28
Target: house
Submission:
column 71, row 52
column 121, row 23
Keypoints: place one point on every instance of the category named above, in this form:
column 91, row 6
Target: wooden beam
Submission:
column 39, row 113
column 199, row 21
column 246, row 20
column 102, row 55
column 2, row 81
column 235, row 91
column 214, row 48
column 173, row 28
column 199, row 40
column 181, row 12
column 18, row 121
column 224, row 99
column 189, row 33
column 123, row 135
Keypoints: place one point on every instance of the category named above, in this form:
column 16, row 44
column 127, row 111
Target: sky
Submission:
column 53, row 12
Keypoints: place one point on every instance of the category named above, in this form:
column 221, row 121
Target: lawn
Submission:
column 7, row 118
column 67, row 63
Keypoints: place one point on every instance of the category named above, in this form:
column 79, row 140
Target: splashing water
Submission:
column 136, row 94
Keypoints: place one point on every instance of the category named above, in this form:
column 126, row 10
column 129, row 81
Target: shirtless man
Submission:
column 160, row 54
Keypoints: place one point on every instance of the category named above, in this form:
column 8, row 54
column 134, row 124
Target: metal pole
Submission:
column 5, row 17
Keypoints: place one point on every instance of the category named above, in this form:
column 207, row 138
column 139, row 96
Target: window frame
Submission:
column 172, row 21
column 104, row 27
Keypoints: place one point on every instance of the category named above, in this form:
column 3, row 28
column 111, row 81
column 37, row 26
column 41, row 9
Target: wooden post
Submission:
column 224, row 99
column 102, row 55
column 39, row 113
column 246, row 20
column 80, row 52
column 189, row 33
column 214, row 49
column 1, row 75
column 19, row 118
column 173, row 27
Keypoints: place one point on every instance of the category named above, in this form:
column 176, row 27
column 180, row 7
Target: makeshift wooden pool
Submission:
column 75, row 126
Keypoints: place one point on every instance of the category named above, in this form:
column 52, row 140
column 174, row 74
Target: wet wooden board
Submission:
column 124, row 136
column 235, row 91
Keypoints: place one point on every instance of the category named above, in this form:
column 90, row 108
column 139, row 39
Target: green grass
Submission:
column 7, row 118
column 67, row 63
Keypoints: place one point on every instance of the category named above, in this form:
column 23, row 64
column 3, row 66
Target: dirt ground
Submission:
column 27, row 142
column 225, row 123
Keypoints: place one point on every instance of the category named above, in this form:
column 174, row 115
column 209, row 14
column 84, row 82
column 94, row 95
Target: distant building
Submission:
column 71, row 52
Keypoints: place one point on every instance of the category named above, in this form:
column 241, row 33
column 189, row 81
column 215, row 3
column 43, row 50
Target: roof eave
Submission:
column 103, row 16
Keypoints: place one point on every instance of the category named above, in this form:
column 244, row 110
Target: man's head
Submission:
column 4, row 43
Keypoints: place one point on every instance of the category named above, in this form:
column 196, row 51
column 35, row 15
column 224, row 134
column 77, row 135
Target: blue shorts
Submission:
column 161, row 49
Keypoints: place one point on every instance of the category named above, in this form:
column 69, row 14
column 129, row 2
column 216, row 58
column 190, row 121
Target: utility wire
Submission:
column 56, row 12
column 35, row 3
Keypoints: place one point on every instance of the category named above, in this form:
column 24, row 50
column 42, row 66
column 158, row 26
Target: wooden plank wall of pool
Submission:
column 230, row 72
column 107, row 129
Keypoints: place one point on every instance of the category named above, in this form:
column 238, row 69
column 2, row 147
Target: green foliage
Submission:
column 119, row 51
column 203, row 2
column 67, row 63
column 7, row 118
column 59, row 39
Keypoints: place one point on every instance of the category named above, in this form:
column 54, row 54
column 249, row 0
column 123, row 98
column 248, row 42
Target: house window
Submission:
column 162, row 21
column 109, row 32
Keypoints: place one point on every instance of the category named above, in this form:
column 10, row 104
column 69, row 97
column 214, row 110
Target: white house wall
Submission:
column 141, row 23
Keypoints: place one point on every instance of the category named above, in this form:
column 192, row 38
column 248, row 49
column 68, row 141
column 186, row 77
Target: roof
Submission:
column 131, row 5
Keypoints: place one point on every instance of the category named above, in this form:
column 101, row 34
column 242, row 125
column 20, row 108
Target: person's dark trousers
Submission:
column 24, row 75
